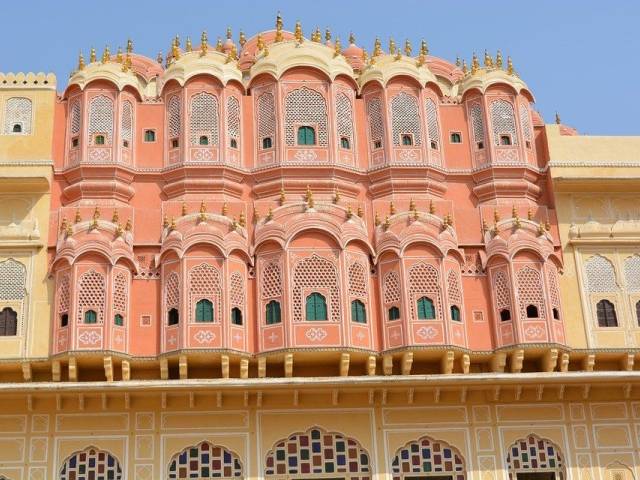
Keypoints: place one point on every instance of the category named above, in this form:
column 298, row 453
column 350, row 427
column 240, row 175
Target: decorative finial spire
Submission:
column 392, row 208
column 458, row 61
column 529, row 214
column 499, row 59
column 176, row 40
column 464, row 67
column 175, row 50
column 424, row 48
column 488, row 61
column 377, row 48
column 80, row 61
column 558, row 121
column 337, row 49
column 219, row 47
column 412, row 205
column 259, row 42
column 127, row 63
column 77, row 218
column 475, row 64
column 327, row 35
column 106, row 54
column 242, row 220
column 165, row 221
column 229, row 34
column 115, row 216
column 336, row 196
column 225, row 209
column 407, row 48
column 159, row 58
column 278, row 27
column 119, row 57
column 510, row 66
column 297, row 33
column 496, row 216
column 172, row 225
column 63, row 225
column 204, row 44
column 386, row 223
column 317, row 36
column 129, row 46
column 184, row 209
column 352, row 38
column 242, row 39
column 392, row 46
column 188, row 46
column 360, row 212
column 203, row 211
column 376, row 219
column 96, row 213
column 128, row 225
column 283, row 196
column 432, row 208
column 349, row 211
column 92, row 55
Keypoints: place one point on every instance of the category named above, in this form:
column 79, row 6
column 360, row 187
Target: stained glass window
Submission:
column 205, row 460
column 428, row 456
column 91, row 464
column 317, row 451
column 535, row 454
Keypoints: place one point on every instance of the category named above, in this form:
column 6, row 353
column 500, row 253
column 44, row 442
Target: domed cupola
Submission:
column 353, row 53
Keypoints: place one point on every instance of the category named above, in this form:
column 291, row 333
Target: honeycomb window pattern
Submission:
column 554, row 290
column 174, row 117
column 204, row 118
column 428, row 456
column 91, row 295
column 13, row 277
column 266, row 116
column 18, row 110
column 376, row 125
column 318, row 452
column 101, row 118
column 126, row 126
column 632, row 273
column 91, row 464
column 205, row 283
column 344, row 117
column 477, row 123
column 64, row 294
column 271, row 281
column 312, row 273
column 233, row 118
column 236, row 294
column 391, row 288
column 530, row 291
column 75, row 118
column 305, row 106
column 433, row 128
column 600, row 275
column 120, row 293
column 534, row 453
column 424, row 281
column 172, row 291
column 453, row 289
column 405, row 118
column 525, row 122
column 502, row 291
column 205, row 460
column 358, row 280
column 503, row 121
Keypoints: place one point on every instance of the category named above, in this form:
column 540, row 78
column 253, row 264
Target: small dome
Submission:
column 353, row 54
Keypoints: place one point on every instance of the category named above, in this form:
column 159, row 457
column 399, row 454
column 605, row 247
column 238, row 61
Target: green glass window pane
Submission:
column 118, row 320
column 204, row 311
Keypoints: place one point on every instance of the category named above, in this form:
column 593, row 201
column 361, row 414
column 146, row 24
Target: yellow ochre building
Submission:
column 285, row 257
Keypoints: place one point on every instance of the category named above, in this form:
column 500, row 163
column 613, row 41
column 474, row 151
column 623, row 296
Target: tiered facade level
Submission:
column 284, row 259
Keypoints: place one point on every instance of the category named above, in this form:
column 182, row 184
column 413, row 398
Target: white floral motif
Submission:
column 360, row 335
column 316, row 334
column 273, row 337
column 408, row 155
column 427, row 333
column 305, row 155
column 90, row 338
column 534, row 332
column 204, row 336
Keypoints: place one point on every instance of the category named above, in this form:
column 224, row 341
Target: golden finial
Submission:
column 475, row 64
column 172, row 225
column 219, row 47
column 377, row 48
column 128, row 226
column 106, row 54
column 372, row 60
column 189, row 47
column 265, row 51
column 386, row 223
column 514, row 211
column 92, row 55
column 242, row 221
column 165, row 221
column 68, row 231
column 327, row 35
column 510, row 66
column 515, row 216
column 77, row 219
column 407, row 48
column 204, row 44
column 115, row 217
column 94, row 224
column 547, row 226
column 309, row 195
column 119, row 57
column 63, row 225
column 499, row 59
column 159, row 58
column 176, row 40
column 278, row 27
column 392, row 208
column 283, row 196
column 225, row 209
column 337, row 49
column 412, row 205
column 376, row 219
column 485, row 227
column 541, row 229
column 416, row 215
column 175, row 52
column 96, row 213
column 129, row 46
column 229, row 34
column 424, row 48
column 232, row 55
column 297, row 33
column 349, row 211
column 529, row 214
column 458, row 61
column 336, row 196
column 184, row 209
column 317, row 36
column 496, row 216
column 118, row 230
column 365, row 56
column 464, row 67
column 352, row 38
column 259, row 42
column 203, row 211
column 242, row 39
column 360, row 211
column 558, row 118
column 392, row 46
column 256, row 214
column 80, row 61
column 270, row 214
column 127, row 63
column 488, row 61
column 432, row 207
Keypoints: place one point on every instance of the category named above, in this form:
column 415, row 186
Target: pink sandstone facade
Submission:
column 414, row 213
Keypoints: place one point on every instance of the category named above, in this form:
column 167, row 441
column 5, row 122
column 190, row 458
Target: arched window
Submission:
column 64, row 319
column 18, row 115
column 118, row 320
column 267, row 143
column 149, row 136
column 203, row 121
column 204, row 311
column 101, row 120
column 91, row 464
column 17, row 128
column 405, row 120
column 394, row 313
column 505, row 315
column 505, row 140
column 358, row 312
column 532, row 311
column 305, row 106
column 306, row 136
column 203, row 140
column 98, row 140
column 455, row 313
column 344, row 143
column 556, row 313
column 173, row 317
column 456, row 137
column 90, row 316
column 273, row 312
column 606, row 312
column 266, row 112
column 204, row 460
column 233, row 143
column 407, row 140
column 535, row 458
column 344, row 120
column 426, row 309
column 236, row 316
column 503, row 123
column 8, row 322
column 428, row 458
column 316, row 307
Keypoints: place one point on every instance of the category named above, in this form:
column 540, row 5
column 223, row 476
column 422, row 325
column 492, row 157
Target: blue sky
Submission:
column 579, row 58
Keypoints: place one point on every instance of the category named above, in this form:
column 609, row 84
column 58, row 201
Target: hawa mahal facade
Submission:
column 283, row 257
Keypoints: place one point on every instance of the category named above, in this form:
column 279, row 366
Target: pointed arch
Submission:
column 91, row 463
column 305, row 107
column 428, row 456
column 205, row 460
column 600, row 275
column 535, row 454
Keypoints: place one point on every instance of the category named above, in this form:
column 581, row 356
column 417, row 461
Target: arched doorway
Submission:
column 535, row 458
column 429, row 458
column 318, row 453
column 204, row 461
column 91, row 464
